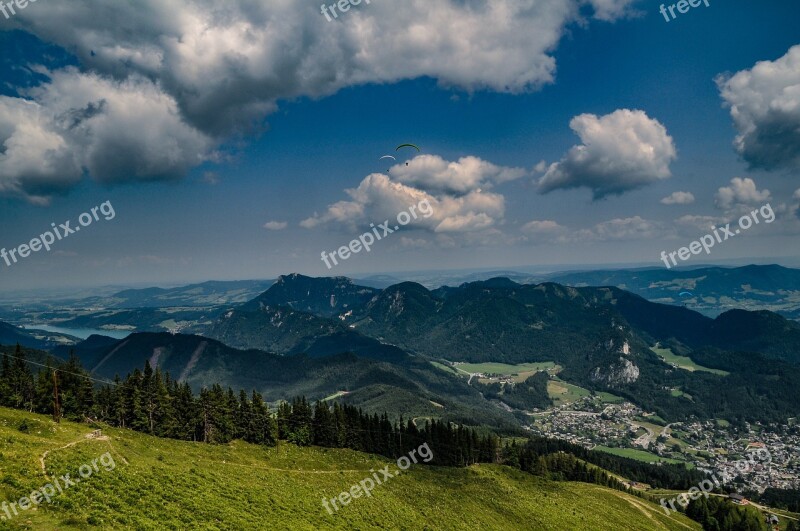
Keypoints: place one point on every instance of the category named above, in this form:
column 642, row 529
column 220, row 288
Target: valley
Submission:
column 598, row 368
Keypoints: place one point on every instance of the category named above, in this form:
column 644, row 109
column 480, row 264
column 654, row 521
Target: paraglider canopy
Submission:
column 407, row 145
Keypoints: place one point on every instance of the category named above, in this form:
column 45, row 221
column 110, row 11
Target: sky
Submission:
column 240, row 140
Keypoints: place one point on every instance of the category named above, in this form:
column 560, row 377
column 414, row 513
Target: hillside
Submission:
column 163, row 484
column 324, row 371
column 600, row 337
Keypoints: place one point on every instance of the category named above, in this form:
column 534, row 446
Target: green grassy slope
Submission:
column 163, row 484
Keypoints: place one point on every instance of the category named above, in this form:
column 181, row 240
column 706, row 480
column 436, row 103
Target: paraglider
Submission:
column 388, row 157
column 409, row 146
column 681, row 294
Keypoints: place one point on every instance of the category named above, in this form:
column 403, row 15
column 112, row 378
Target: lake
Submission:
column 82, row 333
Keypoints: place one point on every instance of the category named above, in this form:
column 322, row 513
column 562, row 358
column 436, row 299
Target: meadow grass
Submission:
column 639, row 455
column 166, row 484
column 561, row 392
column 684, row 362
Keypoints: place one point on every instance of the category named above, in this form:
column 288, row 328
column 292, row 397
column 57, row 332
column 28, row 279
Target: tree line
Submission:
column 153, row 402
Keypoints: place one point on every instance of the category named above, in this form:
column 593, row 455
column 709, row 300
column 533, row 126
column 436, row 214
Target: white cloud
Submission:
column 620, row 152
column 678, row 198
column 84, row 124
column 275, row 225
column 765, row 107
column 163, row 83
column 378, row 198
column 741, row 193
column 433, row 173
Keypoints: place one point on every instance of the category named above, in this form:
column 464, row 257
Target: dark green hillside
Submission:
column 274, row 329
column 765, row 332
column 202, row 362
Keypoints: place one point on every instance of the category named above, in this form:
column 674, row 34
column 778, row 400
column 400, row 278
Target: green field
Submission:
column 561, row 392
column 639, row 455
column 608, row 398
column 684, row 362
column 444, row 367
column 505, row 369
column 165, row 484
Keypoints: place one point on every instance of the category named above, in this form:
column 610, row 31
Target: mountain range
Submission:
column 388, row 349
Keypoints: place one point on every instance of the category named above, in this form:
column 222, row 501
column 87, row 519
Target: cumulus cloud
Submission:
column 433, row 173
column 620, row 152
column 742, row 193
column 275, row 225
column 678, row 198
column 378, row 197
column 201, row 71
column 78, row 123
column 765, row 107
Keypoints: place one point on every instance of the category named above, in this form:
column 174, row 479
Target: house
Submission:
column 738, row 499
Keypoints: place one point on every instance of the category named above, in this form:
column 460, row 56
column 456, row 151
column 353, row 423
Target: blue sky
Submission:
column 196, row 210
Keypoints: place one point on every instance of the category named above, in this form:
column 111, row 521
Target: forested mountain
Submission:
column 327, row 296
column 601, row 337
column 412, row 386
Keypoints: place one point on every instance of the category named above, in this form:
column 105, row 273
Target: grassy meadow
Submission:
column 165, row 484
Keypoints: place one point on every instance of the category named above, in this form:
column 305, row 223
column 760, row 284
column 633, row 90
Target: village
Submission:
column 714, row 447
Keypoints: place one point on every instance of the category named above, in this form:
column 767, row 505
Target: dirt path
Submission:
column 85, row 438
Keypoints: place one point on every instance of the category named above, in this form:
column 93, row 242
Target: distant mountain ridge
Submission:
column 709, row 290
column 205, row 294
column 326, row 296
column 601, row 337
column 39, row 339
